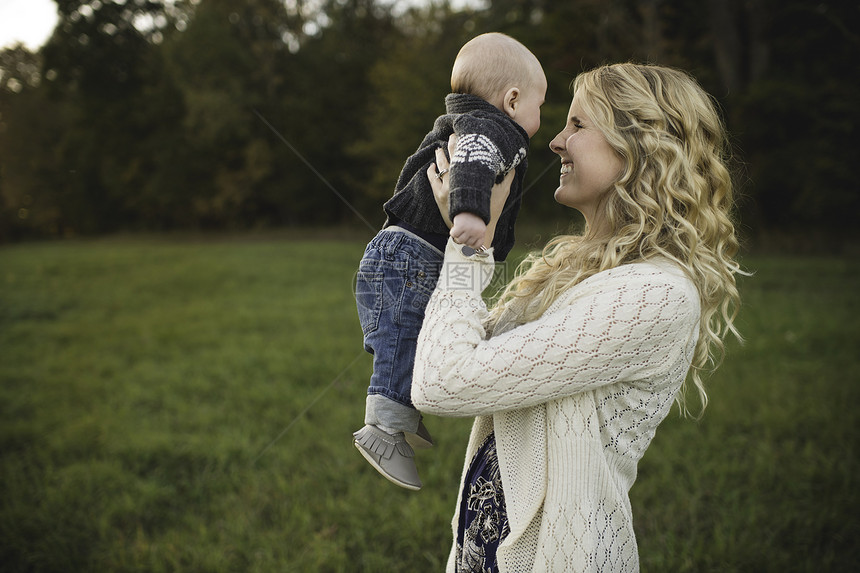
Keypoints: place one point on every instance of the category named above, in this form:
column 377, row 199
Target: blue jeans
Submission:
column 395, row 279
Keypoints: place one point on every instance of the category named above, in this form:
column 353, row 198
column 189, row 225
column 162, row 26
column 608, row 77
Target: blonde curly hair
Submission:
column 673, row 199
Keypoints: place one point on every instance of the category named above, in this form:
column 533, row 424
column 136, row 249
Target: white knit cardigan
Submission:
column 574, row 399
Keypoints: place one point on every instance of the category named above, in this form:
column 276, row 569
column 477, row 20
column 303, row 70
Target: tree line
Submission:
column 236, row 114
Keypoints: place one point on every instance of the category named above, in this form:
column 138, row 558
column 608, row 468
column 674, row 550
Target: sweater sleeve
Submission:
column 485, row 150
column 622, row 325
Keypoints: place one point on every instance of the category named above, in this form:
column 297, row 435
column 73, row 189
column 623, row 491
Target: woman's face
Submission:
column 589, row 165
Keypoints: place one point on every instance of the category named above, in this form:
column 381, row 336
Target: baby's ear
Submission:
column 511, row 102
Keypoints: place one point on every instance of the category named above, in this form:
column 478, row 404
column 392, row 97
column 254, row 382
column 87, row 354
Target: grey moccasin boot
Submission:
column 421, row 439
column 390, row 454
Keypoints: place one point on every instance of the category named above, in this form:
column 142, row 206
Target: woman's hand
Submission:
column 439, row 183
column 441, row 190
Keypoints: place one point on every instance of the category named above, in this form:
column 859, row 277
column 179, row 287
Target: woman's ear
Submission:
column 511, row 102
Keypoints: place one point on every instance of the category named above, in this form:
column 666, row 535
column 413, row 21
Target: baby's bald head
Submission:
column 489, row 64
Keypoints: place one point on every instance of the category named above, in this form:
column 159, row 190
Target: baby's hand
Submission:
column 469, row 229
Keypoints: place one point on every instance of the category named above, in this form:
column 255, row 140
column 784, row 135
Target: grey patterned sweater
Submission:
column 489, row 145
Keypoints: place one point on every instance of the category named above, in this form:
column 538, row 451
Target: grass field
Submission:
column 187, row 405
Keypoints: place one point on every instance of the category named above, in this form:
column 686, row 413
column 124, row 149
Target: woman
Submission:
column 580, row 359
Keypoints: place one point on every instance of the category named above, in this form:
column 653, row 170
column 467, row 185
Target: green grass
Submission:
column 180, row 405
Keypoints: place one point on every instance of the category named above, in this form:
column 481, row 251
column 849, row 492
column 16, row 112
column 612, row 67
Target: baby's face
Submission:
column 527, row 113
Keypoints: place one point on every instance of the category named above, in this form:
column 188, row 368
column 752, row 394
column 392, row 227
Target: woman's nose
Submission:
column 557, row 144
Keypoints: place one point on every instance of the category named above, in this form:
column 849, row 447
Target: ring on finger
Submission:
column 441, row 173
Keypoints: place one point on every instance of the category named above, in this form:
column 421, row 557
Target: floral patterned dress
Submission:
column 483, row 518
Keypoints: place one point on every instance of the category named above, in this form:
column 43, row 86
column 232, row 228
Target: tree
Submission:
column 29, row 127
column 103, row 70
column 793, row 110
column 408, row 85
column 157, row 114
column 228, row 61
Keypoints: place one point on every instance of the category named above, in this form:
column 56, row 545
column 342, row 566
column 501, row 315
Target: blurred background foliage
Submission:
column 153, row 115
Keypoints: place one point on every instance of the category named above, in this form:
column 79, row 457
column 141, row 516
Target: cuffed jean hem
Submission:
column 380, row 410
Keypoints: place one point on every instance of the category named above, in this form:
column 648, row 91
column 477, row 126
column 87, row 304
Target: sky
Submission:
column 27, row 21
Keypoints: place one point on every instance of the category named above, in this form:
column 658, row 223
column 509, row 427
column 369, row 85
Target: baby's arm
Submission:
column 469, row 229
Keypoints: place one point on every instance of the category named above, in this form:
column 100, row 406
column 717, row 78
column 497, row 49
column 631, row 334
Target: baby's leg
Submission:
column 394, row 284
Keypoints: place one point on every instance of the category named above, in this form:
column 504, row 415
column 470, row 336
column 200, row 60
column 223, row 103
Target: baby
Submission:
column 498, row 88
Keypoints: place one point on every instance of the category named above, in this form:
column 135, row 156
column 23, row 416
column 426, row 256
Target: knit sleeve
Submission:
column 486, row 149
column 620, row 326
